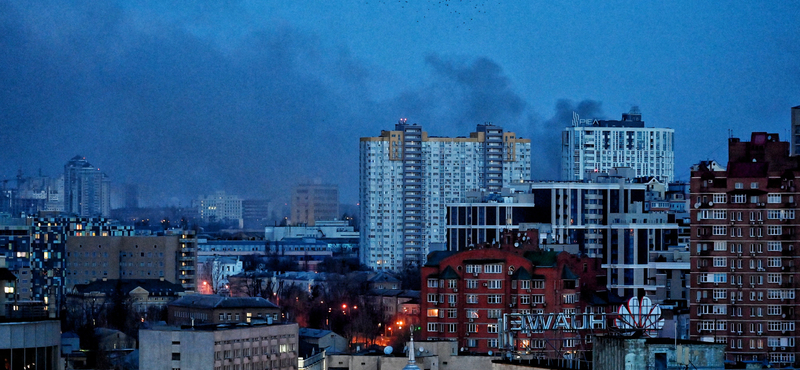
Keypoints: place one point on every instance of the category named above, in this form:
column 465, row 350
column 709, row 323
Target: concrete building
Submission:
column 215, row 347
column 87, row 191
column 26, row 342
column 744, row 251
column 256, row 213
column 615, row 353
column 36, row 252
column 592, row 145
column 172, row 257
column 310, row 245
column 406, row 178
column 219, row 207
column 214, row 309
column 312, row 202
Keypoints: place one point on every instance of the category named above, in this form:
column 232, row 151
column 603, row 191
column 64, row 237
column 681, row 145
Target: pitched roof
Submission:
column 215, row 301
column 383, row 277
column 521, row 274
column 152, row 286
column 448, row 273
column 567, row 273
column 314, row 333
column 437, row 256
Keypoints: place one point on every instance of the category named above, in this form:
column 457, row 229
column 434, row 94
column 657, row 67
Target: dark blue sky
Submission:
column 191, row 97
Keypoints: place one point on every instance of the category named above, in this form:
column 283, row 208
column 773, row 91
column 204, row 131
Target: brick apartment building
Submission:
column 743, row 251
column 464, row 293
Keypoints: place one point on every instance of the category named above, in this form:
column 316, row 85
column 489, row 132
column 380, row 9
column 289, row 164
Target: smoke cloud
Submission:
column 190, row 101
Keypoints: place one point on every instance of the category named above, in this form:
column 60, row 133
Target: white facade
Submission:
column 599, row 146
column 407, row 178
column 218, row 207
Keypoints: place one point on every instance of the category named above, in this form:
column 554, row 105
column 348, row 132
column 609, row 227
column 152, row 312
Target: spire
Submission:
column 412, row 363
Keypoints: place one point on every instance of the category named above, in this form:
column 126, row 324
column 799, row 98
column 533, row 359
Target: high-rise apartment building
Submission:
column 87, row 191
column 313, row 202
column 744, row 258
column 592, row 145
column 794, row 145
column 407, row 177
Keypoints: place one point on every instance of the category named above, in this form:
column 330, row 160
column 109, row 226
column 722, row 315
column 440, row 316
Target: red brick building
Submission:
column 743, row 251
column 464, row 293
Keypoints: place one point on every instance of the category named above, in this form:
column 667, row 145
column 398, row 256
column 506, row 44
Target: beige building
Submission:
column 173, row 257
column 219, row 347
column 314, row 202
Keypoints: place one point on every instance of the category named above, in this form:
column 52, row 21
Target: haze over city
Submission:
column 252, row 97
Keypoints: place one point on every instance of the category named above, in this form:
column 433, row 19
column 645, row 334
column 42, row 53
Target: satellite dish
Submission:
column 490, row 352
column 697, row 205
column 516, row 244
column 421, row 349
column 388, row 350
column 711, row 204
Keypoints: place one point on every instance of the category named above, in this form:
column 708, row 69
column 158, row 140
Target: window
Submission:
column 524, row 284
column 432, row 297
column 720, row 230
column 720, row 198
column 494, row 299
column 720, row 246
column 773, row 198
column 472, row 313
column 524, row 299
column 538, row 284
column 720, row 294
column 433, row 283
column 451, row 327
column 473, row 269
column 774, row 246
column 496, row 268
column 739, row 185
column 433, row 312
column 569, row 298
column 472, row 328
column 774, row 278
column 537, row 298
column 452, row 283
column 720, row 261
column 495, row 284
column 452, row 313
column 433, row 327
column 774, row 230
column 472, row 284
column 176, row 357
column 738, row 198
column 753, row 185
column 472, row 298
column 491, row 328
column 774, row 262
column 493, row 313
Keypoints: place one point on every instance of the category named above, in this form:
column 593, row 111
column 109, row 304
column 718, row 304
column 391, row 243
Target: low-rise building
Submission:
column 214, row 347
column 196, row 309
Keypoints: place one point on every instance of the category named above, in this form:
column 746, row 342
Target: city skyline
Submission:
column 251, row 98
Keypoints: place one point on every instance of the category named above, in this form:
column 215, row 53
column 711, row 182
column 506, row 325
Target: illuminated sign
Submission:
column 527, row 323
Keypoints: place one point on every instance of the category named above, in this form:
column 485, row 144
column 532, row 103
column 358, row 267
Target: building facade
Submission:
column 173, row 257
column 465, row 293
column 214, row 309
column 592, row 145
column 744, row 251
column 406, row 178
column 215, row 347
column 219, row 207
column 312, row 202
column 87, row 191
